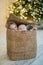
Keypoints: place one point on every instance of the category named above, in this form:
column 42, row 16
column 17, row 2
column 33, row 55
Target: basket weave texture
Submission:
column 21, row 45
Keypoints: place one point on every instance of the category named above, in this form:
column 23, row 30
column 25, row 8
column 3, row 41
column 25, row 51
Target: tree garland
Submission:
column 26, row 9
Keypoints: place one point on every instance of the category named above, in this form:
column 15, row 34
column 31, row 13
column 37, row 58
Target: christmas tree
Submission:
column 26, row 9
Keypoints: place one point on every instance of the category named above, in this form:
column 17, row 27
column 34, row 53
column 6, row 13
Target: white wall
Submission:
column 4, row 4
column 3, row 12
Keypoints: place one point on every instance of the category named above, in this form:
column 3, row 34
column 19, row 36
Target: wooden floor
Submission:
column 4, row 60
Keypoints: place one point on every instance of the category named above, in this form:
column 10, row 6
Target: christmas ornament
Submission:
column 22, row 27
column 29, row 27
column 13, row 26
column 34, row 28
column 9, row 23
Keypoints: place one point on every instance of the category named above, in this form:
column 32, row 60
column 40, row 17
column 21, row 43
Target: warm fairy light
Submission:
column 26, row 8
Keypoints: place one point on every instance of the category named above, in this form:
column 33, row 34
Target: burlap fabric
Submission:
column 21, row 45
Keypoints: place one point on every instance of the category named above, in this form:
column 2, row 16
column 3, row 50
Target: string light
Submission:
column 27, row 8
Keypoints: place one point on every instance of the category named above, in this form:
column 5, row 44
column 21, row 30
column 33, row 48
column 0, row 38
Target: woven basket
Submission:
column 21, row 45
column 15, row 18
